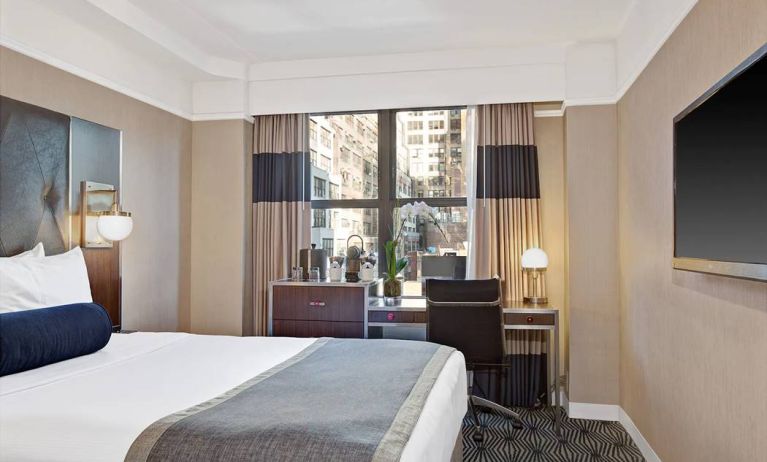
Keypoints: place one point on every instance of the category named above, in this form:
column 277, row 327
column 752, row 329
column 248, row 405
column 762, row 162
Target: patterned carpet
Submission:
column 582, row 440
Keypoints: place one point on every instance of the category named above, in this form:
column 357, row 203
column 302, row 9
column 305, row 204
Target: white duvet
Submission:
column 93, row 407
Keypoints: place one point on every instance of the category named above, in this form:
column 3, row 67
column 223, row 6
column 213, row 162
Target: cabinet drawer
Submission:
column 296, row 328
column 520, row 319
column 397, row 317
column 342, row 304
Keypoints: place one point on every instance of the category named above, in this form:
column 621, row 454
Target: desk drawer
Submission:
column 341, row 304
column 397, row 317
column 521, row 319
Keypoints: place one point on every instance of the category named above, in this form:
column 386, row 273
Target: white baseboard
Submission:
column 590, row 411
column 636, row 435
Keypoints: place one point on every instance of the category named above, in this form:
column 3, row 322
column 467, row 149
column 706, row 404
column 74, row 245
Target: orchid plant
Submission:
column 406, row 212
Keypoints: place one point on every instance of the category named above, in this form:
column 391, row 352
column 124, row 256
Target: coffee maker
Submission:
column 314, row 257
column 354, row 259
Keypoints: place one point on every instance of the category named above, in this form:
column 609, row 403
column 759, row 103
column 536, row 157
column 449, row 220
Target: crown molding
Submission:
column 550, row 112
column 222, row 116
column 603, row 100
column 645, row 61
column 90, row 76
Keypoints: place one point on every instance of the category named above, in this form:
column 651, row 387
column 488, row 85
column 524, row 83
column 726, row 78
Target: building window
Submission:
column 436, row 125
column 436, row 138
column 319, row 187
column 318, row 218
column 415, row 125
column 325, row 137
column 327, row 244
column 415, row 139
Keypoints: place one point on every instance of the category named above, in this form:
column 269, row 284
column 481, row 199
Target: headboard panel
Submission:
column 36, row 175
column 34, row 178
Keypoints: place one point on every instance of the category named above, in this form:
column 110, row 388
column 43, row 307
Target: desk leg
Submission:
column 557, row 408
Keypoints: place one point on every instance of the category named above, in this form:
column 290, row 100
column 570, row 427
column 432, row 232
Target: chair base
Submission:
column 476, row 401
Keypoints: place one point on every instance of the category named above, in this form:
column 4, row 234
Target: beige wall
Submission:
column 549, row 138
column 592, row 222
column 693, row 346
column 155, row 184
column 221, row 208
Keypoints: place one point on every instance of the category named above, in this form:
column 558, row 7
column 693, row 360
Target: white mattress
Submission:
column 93, row 407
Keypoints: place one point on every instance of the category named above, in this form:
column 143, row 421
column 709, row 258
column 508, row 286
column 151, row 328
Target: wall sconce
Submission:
column 101, row 220
column 534, row 263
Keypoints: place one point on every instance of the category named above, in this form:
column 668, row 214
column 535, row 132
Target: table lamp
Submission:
column 534, row 263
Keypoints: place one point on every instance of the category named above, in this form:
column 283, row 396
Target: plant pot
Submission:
column 392, row 288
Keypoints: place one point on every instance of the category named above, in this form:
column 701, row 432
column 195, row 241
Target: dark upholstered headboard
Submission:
column 34, row 178
column 41, row 153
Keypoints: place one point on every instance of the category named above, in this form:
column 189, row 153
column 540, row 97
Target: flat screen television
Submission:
column 720, row 176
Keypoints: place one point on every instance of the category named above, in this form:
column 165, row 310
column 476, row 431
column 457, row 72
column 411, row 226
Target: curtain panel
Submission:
column 506, row 221
column 281, row 204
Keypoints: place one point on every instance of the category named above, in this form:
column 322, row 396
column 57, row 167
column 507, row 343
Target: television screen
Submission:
column 720, row 170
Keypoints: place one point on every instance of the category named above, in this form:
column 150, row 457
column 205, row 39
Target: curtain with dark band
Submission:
column 281, row 204
column 507, row 221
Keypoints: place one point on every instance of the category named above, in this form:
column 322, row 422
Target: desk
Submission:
column 410, row 313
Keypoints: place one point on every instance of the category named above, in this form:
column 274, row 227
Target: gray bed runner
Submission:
column 337, row 400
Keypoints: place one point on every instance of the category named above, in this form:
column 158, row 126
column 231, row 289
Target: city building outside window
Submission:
column 353, row 187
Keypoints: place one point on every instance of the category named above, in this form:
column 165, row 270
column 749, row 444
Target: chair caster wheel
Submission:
column 478, row 437
column 517, row 425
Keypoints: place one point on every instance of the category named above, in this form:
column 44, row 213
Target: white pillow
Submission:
column 35, row 252
column 28, row 283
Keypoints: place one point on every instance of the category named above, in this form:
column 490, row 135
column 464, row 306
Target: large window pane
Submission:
column 430, row 160
column 344, row 156
column 332, row 227
column 431, row 253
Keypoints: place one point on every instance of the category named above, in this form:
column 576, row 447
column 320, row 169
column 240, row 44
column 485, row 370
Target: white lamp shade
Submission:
column 535, row 258
column 115, row 227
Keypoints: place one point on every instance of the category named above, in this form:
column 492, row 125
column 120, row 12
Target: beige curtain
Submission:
column 281, row 204
column 506, row 222
column 507, row 217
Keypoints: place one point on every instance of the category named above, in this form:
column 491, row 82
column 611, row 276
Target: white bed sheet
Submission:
column 93, row 407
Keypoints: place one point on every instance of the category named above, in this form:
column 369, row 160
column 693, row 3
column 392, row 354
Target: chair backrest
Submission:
column 467, row 315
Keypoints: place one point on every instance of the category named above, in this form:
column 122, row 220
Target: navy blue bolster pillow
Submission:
column 36, row 338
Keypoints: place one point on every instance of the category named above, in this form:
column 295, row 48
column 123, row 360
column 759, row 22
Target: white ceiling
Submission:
column 279, row 30
column 215, row 59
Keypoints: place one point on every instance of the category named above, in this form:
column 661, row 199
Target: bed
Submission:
column 93, row 407
column 70, row 390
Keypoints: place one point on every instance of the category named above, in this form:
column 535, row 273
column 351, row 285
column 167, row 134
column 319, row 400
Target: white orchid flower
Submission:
column 406, row 211
column 421, row 209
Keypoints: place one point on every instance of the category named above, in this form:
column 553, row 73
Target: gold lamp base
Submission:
column 536, row 300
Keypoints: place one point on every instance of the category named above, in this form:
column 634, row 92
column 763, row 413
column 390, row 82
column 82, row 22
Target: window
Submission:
column 319, row 188
column 318, row 216
column 354, row 193
column 436, row 138
column 325, row 137
column 415, row 139
column 327, row 244
column 436, row 125
column 414, row 125
column 352, row 163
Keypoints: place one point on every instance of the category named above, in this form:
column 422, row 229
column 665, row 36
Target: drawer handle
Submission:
column 317, row 303
column 390, row 316
column 529, row 319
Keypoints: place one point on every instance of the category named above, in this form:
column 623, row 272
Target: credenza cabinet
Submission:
column 320, row 309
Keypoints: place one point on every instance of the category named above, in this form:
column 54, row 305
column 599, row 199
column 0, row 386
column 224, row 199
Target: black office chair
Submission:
column 467, row 315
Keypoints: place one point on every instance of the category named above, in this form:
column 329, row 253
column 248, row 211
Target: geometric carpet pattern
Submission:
column 581, row 440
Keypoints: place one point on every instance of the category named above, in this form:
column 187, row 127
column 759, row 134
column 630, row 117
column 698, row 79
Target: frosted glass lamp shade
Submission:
column 535, row 258
column 115, row 226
